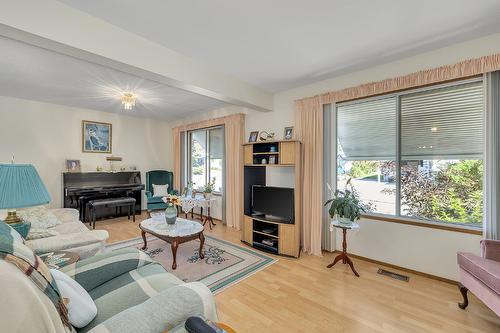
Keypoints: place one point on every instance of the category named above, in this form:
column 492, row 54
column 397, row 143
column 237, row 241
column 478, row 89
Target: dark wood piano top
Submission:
column 99, row 179
column 80, row 187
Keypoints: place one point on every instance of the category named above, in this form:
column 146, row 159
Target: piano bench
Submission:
column 93, row 205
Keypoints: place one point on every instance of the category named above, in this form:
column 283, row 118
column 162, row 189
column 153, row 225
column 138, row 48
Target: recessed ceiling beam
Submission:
column 58, row 27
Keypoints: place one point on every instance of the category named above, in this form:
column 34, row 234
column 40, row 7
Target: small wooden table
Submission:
column 345, row 258
column 187, row 204
column 175, row 234
column 59, row 259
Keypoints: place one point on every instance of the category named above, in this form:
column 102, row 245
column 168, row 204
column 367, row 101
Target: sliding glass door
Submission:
column 206, row 158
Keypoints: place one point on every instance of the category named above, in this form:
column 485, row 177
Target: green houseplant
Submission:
column 346, row 205
column 209, row 188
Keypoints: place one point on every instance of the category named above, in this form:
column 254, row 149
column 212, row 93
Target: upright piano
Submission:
column 80, row 187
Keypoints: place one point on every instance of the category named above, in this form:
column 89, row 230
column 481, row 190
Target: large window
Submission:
column 206, row 157
column 416, row 154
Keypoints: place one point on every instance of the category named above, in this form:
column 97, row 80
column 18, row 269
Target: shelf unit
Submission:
column 262, row 234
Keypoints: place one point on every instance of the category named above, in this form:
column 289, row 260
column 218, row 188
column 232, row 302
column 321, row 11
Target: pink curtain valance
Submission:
column 460, row 70
column 309, row 129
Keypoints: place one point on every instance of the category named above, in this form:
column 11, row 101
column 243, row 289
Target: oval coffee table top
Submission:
column 181, row 228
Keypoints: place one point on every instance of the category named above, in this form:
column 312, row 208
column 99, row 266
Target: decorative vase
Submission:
column 207, row 195
column 170, row 214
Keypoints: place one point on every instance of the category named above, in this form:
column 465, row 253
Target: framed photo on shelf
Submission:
column 73, row 166
column 96, row 137
column 253, row 136
column 288, row 133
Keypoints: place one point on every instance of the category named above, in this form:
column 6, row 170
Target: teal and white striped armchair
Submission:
column 131, row 292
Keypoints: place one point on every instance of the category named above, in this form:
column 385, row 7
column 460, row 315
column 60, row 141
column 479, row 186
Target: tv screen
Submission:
column 273, row 203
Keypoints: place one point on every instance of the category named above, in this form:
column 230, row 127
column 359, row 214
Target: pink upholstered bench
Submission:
column 481, row 275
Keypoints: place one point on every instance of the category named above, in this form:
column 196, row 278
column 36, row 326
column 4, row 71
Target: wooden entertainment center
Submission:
column 285, row 238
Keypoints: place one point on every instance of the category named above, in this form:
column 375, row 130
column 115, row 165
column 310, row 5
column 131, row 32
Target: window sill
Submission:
column 419, row 223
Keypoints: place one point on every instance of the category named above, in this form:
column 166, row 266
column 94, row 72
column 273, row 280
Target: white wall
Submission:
column 428, row 250
column 45, row 135
column 423, row 249
column 431, row 251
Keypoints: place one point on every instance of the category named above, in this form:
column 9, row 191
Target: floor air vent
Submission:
column 393, row 275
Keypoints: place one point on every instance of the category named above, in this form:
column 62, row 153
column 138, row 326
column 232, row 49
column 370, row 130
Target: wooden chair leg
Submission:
column 463, row 291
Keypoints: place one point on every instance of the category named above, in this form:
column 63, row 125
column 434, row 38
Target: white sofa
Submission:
column 73, row 236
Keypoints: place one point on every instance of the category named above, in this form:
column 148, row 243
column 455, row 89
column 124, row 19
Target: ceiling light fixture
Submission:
column 128, row 100
column 434, row 129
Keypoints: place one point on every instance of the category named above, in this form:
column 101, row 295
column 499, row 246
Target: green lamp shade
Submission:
column 21, row 186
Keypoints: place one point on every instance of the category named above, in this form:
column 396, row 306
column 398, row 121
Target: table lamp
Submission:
column 20, row 187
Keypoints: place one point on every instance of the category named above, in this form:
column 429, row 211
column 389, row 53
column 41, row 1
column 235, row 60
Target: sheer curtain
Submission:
column 329, row 172
column 491, row 222
column 176, row 143
column 234, row 137
column 234, row 126
column 309, row 124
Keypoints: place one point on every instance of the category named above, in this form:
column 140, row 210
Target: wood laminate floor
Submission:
column 302, row 295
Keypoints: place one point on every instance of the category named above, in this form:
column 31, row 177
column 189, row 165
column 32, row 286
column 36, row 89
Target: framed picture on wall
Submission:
column 288, row 133
column 73, row 166
column 253, row 136
column 96, row 137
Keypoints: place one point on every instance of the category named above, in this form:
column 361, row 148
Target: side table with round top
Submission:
column 343, row 256
column 175, row 234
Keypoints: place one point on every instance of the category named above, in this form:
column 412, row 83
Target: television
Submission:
column 273, row 203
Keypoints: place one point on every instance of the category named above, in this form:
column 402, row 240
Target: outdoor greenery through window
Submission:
column 206, row 160
column 416, row 154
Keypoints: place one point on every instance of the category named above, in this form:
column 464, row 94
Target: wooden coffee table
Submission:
column 175, row 234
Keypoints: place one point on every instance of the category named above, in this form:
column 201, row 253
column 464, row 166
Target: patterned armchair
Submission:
column 157, row 177
column 131, row 292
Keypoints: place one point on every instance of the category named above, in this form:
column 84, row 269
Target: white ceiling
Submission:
column 280, row 44
column 38, row 74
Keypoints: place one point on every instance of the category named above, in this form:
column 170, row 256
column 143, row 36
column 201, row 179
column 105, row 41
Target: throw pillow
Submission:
column 41, row 233
column 14, row 233
column 40, row 217
column 160, row 190
column 81, row 307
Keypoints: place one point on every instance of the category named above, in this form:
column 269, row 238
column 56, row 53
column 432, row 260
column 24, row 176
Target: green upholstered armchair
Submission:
column 158, row 177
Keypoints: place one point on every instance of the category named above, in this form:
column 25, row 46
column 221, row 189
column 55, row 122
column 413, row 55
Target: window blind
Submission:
column 367, row 130
column 445, row 123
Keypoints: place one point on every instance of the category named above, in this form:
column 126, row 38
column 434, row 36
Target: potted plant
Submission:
column 345, row 206
column 208, row 189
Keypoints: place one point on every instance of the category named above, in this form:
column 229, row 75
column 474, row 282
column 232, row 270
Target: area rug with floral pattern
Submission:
column 224, row 264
